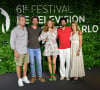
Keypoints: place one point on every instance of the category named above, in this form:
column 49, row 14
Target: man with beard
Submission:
column 63, row 35
column 34, row 50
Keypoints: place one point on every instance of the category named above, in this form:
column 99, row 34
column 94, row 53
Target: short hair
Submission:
column 34, row 17
column 19, row 16
column 62, row 19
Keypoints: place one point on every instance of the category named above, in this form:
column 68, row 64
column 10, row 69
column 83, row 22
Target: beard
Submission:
column 63, row 25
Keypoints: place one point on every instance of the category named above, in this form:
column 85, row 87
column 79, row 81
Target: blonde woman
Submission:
column 77, row 65
column 49, row 35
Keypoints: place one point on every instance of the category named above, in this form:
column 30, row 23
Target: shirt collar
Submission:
column 62, row 29
column 20, row 27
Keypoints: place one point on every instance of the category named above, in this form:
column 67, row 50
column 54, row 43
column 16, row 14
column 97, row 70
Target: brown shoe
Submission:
column 33, row 79
column 42, row 79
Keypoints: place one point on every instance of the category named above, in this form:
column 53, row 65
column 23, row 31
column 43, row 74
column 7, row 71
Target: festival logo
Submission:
column 4, row 21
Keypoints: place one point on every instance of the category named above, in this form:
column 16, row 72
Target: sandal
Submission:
column 54, row 78
column 50, row 79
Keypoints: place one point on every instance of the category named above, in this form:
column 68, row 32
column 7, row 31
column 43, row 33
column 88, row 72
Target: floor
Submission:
column 90, row 82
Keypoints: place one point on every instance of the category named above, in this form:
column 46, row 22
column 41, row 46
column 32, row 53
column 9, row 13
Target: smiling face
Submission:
column 49, row 24
column 34, row 21
column 22, row 21
column 74, row 27
column 63, row 23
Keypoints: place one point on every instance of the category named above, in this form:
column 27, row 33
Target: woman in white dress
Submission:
column 77, row 65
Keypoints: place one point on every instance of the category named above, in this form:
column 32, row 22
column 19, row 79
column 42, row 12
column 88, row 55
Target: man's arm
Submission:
column 12, row 42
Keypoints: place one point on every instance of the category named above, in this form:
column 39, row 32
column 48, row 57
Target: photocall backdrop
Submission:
column 85, row 12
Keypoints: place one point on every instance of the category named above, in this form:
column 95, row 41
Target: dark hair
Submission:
column 34, row 17
column 62, row 19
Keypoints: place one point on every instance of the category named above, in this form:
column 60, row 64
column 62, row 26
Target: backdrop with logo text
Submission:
column 85, row 12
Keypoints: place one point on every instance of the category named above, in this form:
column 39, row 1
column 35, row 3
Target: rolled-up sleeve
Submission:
column 13, row 39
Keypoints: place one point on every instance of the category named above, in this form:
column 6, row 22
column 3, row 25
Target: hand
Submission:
column 16, row 54
column 78, row 53
column 46, row 39
column 38, row 39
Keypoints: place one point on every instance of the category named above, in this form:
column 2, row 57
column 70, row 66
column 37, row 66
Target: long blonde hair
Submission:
column 46, row 25
column 77, row 27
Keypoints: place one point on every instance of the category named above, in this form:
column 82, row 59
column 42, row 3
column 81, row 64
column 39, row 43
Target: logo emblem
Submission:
column 4, row 20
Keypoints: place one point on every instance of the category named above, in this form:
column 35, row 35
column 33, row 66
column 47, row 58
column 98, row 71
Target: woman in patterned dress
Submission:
column 49, row 36
column 77, row 65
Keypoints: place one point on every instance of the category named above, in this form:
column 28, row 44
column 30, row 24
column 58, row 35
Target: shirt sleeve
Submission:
column 28, row 32
column 13, row 39
column 43, row 37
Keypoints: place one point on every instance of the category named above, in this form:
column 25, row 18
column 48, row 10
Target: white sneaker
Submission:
column 62, row 78
column 67, row 78
column 20, row 83
column 25, row 79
